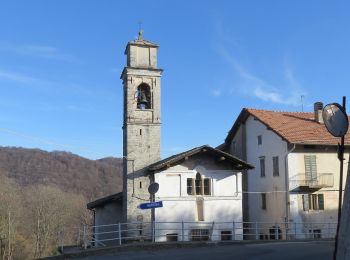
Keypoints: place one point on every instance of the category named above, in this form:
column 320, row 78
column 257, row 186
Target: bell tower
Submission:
column 141, row 127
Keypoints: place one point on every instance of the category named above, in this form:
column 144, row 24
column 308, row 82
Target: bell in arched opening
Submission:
column 143, row 97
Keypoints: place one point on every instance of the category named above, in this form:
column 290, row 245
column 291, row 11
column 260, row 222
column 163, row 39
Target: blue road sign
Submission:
column 151, row 205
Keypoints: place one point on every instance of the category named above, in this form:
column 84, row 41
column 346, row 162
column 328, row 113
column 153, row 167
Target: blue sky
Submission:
column 60, row 63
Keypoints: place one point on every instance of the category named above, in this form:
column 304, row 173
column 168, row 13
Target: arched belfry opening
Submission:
column 144, row 97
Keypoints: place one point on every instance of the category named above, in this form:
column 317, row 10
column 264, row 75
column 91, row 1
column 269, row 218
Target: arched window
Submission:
column 143, row 96
column 198, row 184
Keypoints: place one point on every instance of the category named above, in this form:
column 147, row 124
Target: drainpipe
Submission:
column 286, row 180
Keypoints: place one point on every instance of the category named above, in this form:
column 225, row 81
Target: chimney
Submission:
column 318, row 106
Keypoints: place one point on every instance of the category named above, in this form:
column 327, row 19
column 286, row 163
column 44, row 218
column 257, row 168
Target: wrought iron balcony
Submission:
column 300, row 182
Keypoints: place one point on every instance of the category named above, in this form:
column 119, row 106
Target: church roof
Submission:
column 238, row 164
column 143, row 42
column 102, row 201
column 293, row 127
column 140, row 41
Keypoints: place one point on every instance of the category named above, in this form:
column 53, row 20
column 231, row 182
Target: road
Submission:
column 318, row 250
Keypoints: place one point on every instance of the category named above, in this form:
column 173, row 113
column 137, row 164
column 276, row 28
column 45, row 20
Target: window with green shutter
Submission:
column 310, row 167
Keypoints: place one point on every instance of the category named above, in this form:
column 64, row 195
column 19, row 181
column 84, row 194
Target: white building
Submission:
column 201, row 193
column 295, row 180
column 202, row 190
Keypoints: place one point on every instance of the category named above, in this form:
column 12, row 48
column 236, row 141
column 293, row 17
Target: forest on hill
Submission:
column 41, row 193
column 63, row 170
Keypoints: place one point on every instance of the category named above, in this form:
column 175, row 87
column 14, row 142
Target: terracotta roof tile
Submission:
column 296, row 127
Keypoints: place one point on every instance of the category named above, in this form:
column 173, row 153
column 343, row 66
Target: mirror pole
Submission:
column 341, row 159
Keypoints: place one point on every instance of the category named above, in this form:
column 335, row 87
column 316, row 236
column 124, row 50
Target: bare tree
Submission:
column 50, row 210
column 31, row 217
column 10, row 211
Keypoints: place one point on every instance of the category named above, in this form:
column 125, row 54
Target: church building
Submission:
column 195, row 188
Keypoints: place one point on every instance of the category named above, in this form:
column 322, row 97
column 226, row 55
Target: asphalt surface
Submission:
column 318, row 250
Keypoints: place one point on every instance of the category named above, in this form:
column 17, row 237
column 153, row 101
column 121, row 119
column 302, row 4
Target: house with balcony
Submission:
column 293, row 190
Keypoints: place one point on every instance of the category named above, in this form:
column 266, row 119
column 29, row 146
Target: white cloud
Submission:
column 20, row 78
column 39, row 51
column 271, row 96
column 42, row 84
column 251, row 84
column 216, row 92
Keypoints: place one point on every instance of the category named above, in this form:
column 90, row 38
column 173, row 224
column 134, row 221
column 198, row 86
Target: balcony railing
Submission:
column 300, row 182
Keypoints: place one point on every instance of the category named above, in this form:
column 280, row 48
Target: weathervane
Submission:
column 140, row 35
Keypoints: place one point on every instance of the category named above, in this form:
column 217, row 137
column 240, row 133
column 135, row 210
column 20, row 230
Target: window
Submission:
column 263, row 201
column 226, row 235
column 200, row 234
column 189, row 186
column 315, row 233
column 275, row 232
column 320, row 201
column 262, row 166
column 199, row 185
column 275, row 163
column 259, row 139
column 207, row 186
column 310, row 167
column 313, row 202
column 143, row 96
column 172, row 237
column 305, row 199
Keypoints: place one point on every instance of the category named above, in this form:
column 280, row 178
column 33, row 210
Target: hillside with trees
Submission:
column 45, row 193
column 66, row 171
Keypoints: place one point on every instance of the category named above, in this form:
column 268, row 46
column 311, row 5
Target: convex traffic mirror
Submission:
column 335, row 119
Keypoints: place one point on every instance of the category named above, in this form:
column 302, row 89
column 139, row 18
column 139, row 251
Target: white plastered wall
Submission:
column 223, row 205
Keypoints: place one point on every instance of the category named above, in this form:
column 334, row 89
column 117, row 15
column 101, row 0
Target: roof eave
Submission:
column 164, row 164
column 104, row 200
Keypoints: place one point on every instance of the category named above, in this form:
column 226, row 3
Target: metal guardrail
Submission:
column 122, row 233
column 322, row 180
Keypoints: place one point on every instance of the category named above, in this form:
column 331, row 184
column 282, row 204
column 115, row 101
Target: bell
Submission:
column 143, row 99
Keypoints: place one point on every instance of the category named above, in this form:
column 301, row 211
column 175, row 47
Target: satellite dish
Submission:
column 335, row 119
column 153, row 188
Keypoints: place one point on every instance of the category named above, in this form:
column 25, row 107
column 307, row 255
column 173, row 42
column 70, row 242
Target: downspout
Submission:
column 286, row 180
